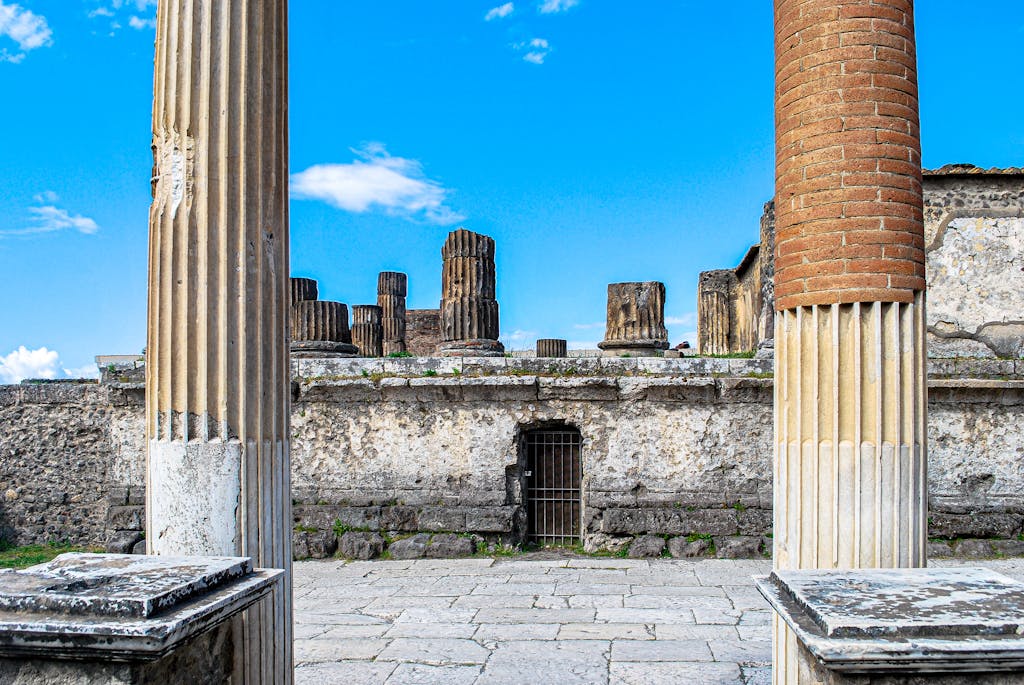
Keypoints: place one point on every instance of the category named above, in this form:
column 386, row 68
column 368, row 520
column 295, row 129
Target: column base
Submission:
column 896, row 626
column 479, row 347
column 633, row 348
column 307, row 349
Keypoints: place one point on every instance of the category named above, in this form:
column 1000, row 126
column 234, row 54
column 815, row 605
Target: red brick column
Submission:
column 848, row 153
column 850, row 476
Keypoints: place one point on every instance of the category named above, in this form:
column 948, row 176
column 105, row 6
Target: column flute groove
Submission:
column 217, row 358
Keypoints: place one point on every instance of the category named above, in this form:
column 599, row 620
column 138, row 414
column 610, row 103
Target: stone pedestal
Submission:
column 320, row 328
column 217, row 391
column 551, row 347
column 901, row 627
column 636, row 320
column 303, row 289
column 469, row 310
column 392, row 288
column 367, row 332
column 129, row 619
column 714, row 318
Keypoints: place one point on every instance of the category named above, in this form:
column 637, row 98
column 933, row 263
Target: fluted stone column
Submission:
column 303, row 289
column 850, row 442
column 714, row 311
column 469, row 310
column 367, row 331
column 320, row 328
column 217, row 400
column 392, row 288
column 636, row 320
column 552, row 347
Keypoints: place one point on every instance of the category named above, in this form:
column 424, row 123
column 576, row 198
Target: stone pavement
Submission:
column 536, row 619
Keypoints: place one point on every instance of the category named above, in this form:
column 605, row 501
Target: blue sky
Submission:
column 596, row 141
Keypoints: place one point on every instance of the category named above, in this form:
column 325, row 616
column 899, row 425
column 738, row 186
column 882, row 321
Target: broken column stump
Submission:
column 551, row 347
column 392, row 288
column 714, row 311
column 469, row 310
column 320, row 328
column 302, row 289
column 367, row 331
column 636, row 320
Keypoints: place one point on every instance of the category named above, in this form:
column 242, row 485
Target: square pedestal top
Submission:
column 903, row 620
column 908, row 602
column 115, row 584
column 122, row 607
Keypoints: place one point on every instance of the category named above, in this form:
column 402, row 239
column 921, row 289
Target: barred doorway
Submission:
column 553, row 477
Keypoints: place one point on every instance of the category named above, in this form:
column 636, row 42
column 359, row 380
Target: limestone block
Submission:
column 449, row 546
column 646, row 546
column 737, row 547
column 356, row 545
column 414, row 547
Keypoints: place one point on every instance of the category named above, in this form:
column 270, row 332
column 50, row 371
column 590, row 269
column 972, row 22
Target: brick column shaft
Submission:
column 849, row 217
column 850, row 481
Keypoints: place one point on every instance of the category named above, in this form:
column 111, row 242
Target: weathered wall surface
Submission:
column 670, row 447
column 746, row 308
column 974, row 236
column 422, row 331
column 70, row 456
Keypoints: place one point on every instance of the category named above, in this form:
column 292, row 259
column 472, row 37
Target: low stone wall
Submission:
column 671, row 447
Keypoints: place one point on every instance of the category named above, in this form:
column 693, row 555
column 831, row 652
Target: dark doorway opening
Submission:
column 552, row 470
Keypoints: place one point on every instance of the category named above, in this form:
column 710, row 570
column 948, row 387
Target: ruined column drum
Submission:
column 850, row 398
column 217, row 374
column 552, row 347
column 367, row 331
column 320, row 328
column 392, row 288
column 714, row 316
column 303, row 289
column 636, row 320
column 469, row 310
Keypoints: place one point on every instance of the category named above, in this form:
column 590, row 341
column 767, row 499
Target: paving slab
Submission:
column 549, row 620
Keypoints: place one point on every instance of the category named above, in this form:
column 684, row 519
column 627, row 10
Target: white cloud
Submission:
column 556, row 6
column 517, row 338
column 140, row 23
column 376, row 180
column 23, row 363
column 537, row 50
column 26, row 28
column 49, row 218
column 688, row 319
column 136, row 13
column 500, row 12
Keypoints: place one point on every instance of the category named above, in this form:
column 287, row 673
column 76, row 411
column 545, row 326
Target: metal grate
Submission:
column 553, row 492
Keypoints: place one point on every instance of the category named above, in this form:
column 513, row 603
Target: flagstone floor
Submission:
column 537, row 619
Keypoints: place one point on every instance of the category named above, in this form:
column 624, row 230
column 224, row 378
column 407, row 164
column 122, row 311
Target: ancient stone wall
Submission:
column 72, row 462
column 670, row 447
column 974, row 258
column 974, row 238
column 422, row 331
